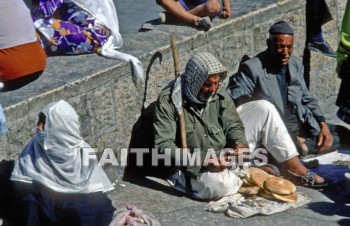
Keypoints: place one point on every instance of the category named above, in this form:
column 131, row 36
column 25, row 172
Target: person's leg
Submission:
column 264, row 126
column 175, row 9
column 295, row 167
column 209, row 8
column 314, row 20
column 180, row 10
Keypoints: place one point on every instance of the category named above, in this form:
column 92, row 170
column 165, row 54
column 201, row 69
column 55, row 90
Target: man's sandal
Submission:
column 308, row 180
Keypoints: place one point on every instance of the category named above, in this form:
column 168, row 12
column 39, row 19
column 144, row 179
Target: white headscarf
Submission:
column 198, row 69
column 57, row 163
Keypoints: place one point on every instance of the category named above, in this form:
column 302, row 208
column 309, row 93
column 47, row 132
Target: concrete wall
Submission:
column 109, row 103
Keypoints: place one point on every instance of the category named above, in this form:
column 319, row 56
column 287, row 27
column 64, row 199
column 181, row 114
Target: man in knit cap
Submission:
column 277, row 76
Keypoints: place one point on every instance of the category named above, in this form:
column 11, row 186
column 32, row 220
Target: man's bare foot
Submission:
column 318, row 179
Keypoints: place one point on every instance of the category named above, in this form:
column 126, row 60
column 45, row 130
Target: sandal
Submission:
column 308, row 180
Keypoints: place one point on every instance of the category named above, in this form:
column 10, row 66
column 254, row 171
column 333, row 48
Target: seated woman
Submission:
column 57, row 179
column 21, row 56
column 79, row 27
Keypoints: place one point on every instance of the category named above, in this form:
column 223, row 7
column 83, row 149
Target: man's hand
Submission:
column 241, row 149
column 226, row 9
column 218, row 164
column 215, row 168
column 324, row 138
column 215, row 165
column 226, row 13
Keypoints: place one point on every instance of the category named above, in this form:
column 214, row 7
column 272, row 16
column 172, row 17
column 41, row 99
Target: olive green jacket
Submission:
column 219, row 127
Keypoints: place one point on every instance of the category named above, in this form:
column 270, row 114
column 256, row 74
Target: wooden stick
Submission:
column 177, row 73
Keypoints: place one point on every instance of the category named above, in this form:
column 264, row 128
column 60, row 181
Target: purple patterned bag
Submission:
column 65, row 28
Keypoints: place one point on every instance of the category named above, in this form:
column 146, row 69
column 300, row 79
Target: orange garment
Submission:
column 22, row 60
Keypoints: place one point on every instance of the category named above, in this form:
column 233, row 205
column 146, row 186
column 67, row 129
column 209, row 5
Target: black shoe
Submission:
column 322, row 47
column 204, row 23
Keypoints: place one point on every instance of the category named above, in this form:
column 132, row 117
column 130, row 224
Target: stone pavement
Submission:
column 172, row 208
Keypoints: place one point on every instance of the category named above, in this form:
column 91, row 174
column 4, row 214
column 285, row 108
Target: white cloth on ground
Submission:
column 209, row 185
column 264, row 127
column 237, row 206
column 63, row 162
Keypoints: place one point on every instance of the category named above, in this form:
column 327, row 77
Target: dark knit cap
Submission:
column 281, row 27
